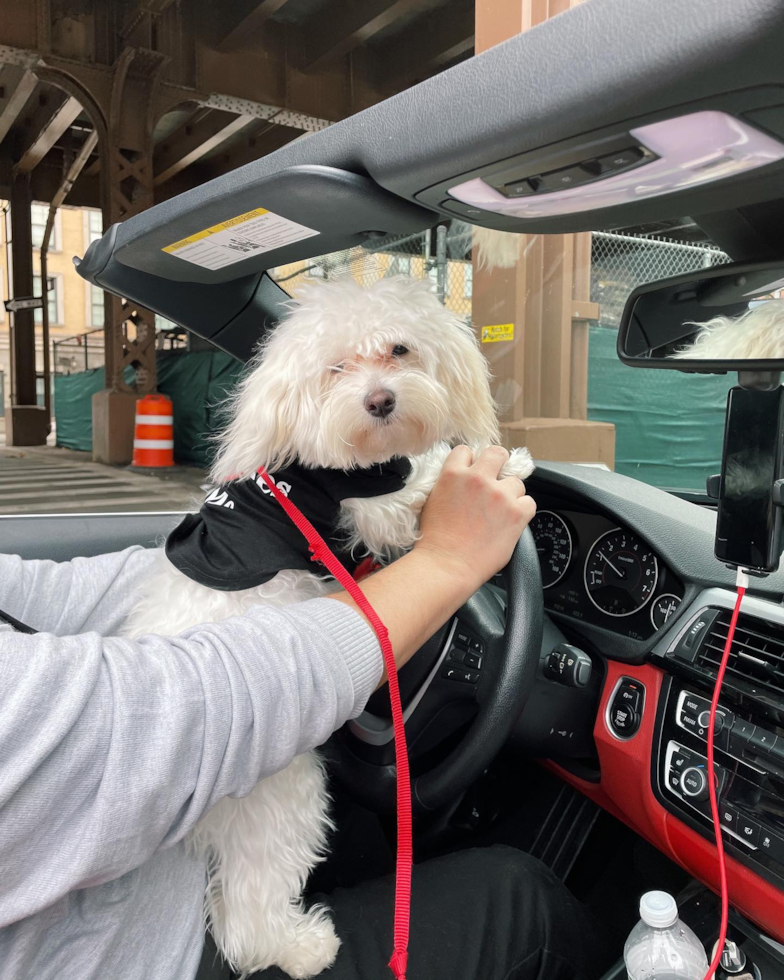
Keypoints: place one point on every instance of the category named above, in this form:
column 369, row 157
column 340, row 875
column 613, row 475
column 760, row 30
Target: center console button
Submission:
column 689, row 722
column 772, row 845
column 728, row 817
column 748, row 830
column 742, row 729
column 762, row 740
column 694, row 783
column 692, row 705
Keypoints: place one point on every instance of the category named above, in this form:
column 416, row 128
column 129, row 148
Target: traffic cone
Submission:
column 153, row 441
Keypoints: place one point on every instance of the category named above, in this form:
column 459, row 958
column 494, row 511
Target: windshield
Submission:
column 666, row 428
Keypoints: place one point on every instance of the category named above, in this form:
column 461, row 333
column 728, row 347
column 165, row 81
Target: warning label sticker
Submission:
column 500, row 331
column 238, row 238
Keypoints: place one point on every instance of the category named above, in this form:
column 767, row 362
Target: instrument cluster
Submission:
column 594, row 570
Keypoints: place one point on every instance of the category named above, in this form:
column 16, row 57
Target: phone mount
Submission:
column 750, row 487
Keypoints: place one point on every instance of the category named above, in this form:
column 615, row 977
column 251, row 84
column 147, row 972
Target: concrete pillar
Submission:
column 541, row 372
column 27, row 423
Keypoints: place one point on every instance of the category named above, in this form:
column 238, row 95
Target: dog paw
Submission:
column 314, row 949
column 519, row 464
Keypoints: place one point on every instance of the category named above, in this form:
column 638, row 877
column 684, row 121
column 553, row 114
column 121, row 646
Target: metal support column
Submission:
column 126, row 189
column 28, row 423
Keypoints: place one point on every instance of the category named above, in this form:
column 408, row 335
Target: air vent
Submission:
column 757, row 653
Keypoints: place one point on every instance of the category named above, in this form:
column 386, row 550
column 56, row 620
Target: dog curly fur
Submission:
column 756, row 334
column 305, row 398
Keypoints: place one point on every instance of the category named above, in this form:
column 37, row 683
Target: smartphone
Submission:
column 748, row 527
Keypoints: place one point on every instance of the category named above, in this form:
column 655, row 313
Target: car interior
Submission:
column 556, row 712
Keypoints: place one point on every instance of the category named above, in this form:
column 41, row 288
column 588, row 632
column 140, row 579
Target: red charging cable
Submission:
column 742, row 584
column 321, row 552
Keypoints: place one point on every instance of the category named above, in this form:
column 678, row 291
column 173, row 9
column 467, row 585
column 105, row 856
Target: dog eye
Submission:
column 399, row 350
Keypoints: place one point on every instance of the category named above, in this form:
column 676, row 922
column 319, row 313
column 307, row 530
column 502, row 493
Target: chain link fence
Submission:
column 620, row 263
column 443, row 256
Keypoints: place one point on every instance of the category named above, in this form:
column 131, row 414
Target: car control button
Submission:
column 460, row 674
column 623, row 718
column 694, row 783
column 463, row 637
column 690, row 723
column 743, row 729
column 521, row 188
column 728, row 817
column 456, row 655
column 692, row 706
column 621, row 160
column 771, row 845
column 761, row 739
column 563, row 180
column 472, row 660
column 748, row 830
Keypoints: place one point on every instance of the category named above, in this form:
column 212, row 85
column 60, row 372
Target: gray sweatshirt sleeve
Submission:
column 73, row 596
column 112, row 748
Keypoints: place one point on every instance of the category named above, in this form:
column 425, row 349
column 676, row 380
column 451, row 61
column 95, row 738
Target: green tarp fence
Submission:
column 669, row 426
column 196, row 382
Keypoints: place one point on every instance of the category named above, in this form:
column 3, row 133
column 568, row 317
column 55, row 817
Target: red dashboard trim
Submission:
column 625, row 791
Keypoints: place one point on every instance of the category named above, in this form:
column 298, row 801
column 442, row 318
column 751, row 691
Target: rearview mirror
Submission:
column 728, row 318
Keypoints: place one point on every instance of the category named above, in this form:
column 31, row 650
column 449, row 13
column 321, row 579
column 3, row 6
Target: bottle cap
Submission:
column 658, row 909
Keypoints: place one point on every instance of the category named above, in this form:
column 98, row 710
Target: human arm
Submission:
column 115, row 748
column 74, row 596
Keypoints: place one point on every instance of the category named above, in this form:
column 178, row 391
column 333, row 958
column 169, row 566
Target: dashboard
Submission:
column 631, row 582
column 597, row 570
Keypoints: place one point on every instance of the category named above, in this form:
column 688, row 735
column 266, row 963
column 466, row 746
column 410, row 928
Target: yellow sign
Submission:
column 500, row 331
column 240, row 219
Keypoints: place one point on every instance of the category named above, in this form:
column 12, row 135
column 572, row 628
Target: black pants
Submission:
column 489, row 914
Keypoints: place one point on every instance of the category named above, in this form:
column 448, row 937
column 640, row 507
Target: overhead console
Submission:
column 749, row 741
column 624, row 167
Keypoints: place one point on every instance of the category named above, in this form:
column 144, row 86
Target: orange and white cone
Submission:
column 153, row 441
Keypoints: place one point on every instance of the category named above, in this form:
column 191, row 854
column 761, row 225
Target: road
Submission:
column 44, row 480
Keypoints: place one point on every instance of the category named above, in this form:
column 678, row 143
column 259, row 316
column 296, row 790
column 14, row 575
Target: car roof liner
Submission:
column 560, row 99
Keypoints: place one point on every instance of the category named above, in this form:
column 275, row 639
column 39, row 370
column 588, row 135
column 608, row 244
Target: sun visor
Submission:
column 203, row 268
column 254, row 225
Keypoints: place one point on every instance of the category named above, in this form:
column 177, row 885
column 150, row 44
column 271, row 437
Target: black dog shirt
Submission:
column 242, row 537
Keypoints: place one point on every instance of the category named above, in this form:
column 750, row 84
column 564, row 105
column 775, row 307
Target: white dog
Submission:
column 351, row 379
column 757, row 334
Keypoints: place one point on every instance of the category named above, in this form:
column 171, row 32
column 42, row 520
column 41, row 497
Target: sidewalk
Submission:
column 49, row 480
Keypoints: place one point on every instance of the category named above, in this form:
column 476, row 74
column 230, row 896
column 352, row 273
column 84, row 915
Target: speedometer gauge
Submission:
column 553, row 545
column 620, row 573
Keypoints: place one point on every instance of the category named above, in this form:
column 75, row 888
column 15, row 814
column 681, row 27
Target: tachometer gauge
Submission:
column 663, row 609
column 620, row 573
column 553, row 545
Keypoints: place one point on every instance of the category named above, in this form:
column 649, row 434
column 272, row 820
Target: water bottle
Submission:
column 660, row 946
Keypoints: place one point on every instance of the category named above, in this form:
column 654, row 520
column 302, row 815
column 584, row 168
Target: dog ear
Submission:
column 262, row 416
column 467, row 376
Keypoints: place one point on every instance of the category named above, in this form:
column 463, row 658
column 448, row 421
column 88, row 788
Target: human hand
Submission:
column 472, row 519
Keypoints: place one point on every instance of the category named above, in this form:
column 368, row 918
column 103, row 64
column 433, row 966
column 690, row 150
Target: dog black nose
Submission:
column 380, row 403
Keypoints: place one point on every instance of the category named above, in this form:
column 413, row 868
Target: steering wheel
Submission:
column 440, row 700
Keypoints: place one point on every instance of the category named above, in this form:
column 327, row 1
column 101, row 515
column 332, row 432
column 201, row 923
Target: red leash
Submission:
column 320, row 551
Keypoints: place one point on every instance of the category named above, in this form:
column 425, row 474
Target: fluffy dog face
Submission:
column 355, row 376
